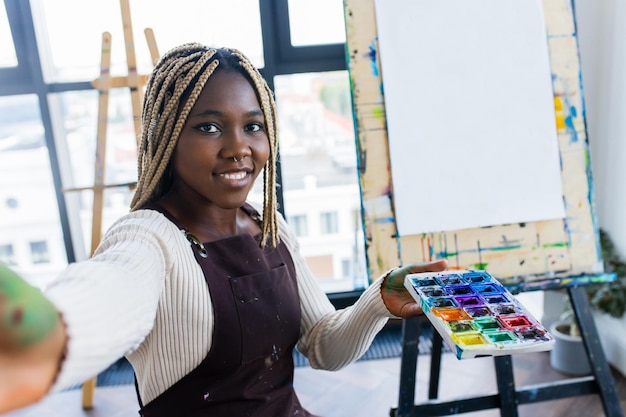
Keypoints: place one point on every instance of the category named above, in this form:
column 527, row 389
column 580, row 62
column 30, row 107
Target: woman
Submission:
column 205, row 293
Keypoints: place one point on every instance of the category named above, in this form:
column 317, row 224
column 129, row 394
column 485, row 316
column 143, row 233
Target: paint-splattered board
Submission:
column 535, row 255
column 476, row 315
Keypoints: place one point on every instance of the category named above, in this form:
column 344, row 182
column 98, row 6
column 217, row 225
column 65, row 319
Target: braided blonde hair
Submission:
column 171, row 92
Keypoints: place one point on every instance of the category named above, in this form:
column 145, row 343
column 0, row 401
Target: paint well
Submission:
column 470, row 339
column 451, row 314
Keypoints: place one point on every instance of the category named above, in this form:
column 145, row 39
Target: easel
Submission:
column 541, row 249
column 508, row 397
column 104, row 83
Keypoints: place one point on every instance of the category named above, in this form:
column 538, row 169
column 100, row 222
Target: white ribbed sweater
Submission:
column 143, row 295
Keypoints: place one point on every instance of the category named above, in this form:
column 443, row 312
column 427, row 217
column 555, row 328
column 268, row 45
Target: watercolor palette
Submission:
column 476, row 315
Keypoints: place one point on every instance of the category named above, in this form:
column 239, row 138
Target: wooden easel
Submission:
column 104, row 83
column 568, row 253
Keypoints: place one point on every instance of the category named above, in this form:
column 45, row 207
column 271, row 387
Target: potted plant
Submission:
column 610, row 298
column 568, row 355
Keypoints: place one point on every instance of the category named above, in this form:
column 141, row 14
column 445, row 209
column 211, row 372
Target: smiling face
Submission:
column 223, row 145
column 179, row 164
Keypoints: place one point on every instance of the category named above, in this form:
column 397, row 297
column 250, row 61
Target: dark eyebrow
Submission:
column 251, row 113
column 207, row 113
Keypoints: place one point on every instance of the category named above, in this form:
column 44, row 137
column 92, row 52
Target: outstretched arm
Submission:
column 32, row 342
column 395, row 296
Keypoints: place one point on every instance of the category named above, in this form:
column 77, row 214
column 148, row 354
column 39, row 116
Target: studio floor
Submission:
column 368, row 388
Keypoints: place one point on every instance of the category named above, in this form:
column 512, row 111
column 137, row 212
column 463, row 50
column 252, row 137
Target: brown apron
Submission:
column 249, row 368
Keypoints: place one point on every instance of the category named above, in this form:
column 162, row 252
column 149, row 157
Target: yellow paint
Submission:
column 560, row 121
column 469, row 339
column 560, row 117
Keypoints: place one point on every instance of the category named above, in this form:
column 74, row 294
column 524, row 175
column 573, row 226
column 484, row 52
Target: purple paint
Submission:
column 496, row 299
column 469, row 301
column 459, row 290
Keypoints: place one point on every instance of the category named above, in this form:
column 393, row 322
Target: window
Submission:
column 79, row 124
column 316, row 22
column 69, row 57
column 319, row 165
column 27, row 191
column 39, row 252
column 7, row 52
column 49, row 99
column 329, row 223
column 7, row 256
column 299, row 225
column 346, row 267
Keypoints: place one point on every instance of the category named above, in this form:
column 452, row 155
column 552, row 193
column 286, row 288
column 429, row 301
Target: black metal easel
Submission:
column 508, row 397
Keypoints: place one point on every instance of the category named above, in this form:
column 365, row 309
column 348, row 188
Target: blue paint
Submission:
column 384, row 220
column 459, row 352
column 569, row 120
column 372, row 55
column 560, row 35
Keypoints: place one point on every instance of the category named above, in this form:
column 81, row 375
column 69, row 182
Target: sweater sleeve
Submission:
column 108, row 303
column 332, row 339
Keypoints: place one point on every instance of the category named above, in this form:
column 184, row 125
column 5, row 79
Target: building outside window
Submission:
column 39, row 252
column 329, row 223
column 7, row 255
column 299, row 225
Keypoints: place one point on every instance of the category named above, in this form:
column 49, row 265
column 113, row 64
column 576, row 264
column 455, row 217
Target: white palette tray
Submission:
column 476, row 315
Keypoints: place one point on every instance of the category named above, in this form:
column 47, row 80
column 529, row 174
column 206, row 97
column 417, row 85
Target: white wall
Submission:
column 602, row 39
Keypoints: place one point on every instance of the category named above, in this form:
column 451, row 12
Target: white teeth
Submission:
column 234, row 175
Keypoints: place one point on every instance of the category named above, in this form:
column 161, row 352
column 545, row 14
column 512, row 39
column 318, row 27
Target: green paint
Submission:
column 555, row 245
column 26, row 316
column 505, row 248
column 378, row 112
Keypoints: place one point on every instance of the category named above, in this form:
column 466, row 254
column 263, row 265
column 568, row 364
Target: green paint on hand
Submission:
column 26, row 315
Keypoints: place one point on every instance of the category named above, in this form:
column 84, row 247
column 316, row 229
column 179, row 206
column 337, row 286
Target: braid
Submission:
column 171, row 92
column 268, row 106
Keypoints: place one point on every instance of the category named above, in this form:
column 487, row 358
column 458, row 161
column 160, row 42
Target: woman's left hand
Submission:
column 396, row 297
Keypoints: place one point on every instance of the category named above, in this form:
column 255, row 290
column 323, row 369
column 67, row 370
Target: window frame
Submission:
column 281, row 58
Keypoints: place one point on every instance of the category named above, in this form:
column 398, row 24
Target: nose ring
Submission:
column 238, row 160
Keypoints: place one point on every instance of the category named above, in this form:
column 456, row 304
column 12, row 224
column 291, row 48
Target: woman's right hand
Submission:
column 32, row 342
